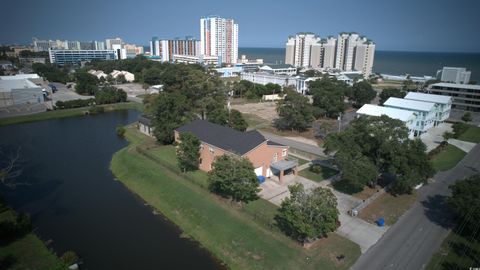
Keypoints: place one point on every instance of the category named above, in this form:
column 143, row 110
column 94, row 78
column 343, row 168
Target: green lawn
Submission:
column 456, row 252
column 472, row 134
column 26, row 252
column 255, row 122
column 65, row 113
column 318, row 177
column 448, row 158
column 242, row 237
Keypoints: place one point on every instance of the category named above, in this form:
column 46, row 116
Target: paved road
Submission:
column 411, row 242
column 294, row 144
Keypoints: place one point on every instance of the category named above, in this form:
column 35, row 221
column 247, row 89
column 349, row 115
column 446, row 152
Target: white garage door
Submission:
column 259, row 170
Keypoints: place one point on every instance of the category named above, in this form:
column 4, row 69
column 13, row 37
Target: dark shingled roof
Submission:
column 222, row 137
column 145, row 120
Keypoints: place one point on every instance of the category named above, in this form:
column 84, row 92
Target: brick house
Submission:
column 268, row 158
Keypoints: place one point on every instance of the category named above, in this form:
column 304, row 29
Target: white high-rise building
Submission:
column 299, row 49
column 348, row 52
column 219, row 37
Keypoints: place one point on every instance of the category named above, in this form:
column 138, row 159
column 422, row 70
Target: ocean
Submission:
column 391, row 62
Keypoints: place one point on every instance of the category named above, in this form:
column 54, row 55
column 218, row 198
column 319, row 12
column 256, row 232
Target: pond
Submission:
column 76, row 204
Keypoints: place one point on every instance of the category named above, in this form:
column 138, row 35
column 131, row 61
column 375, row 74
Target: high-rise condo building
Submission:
column 347, row 52
column 299, row 49
column 219, row 37
column 109, row 43
column 323, row 54
column 166, row 48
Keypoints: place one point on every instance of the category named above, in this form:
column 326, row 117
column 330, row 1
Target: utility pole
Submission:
column 339, row 121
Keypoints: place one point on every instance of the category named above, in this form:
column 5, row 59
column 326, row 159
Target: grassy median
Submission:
column 242, row 237
column 66, row 113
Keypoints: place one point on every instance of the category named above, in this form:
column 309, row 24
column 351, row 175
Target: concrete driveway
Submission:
column 352, row 228
column 434, row 136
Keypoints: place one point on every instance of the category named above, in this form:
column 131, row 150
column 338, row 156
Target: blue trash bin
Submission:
column 381, row 222
column 261, row 179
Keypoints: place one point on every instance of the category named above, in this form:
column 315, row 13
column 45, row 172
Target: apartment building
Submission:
column 219, row 37
column 464, row 96
column 323, row 54
column 299, row 48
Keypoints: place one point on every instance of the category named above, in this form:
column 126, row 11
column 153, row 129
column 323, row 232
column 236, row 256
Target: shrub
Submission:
column 96, row 110
column 76, row 103
column 316, row 168
column 120, row 131
column 459, row 128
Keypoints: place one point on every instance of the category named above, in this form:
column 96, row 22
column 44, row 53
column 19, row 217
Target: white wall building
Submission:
column 113, row 41
column 283, row 69
column 16, row 91
column 407, row 117
column 298, row 82
column 129, row 77
column 454, row 75
column 424, row 112
column 201, row 59
column 98, row 73
column 219, row 37
column 443, row 104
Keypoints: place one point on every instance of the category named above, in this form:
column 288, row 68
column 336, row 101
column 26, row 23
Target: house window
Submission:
column 284, row 152
column 275, row 157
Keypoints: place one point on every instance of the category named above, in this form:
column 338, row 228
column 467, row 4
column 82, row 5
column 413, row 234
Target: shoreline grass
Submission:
column 66, row 113
column 241, row 237
column 27, row 251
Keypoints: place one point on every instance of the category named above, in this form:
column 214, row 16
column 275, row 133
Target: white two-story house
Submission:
column 424, row 112
column 407, row 117
column 443, row 104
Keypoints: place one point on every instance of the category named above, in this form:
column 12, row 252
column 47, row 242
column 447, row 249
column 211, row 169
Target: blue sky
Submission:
column 407, row 25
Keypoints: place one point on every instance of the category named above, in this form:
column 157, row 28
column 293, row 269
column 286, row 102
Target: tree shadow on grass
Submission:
column 345, row 188
column 466, row 252
column 436, row 210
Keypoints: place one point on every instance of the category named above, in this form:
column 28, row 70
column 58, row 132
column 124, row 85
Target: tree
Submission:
column 233, row 177
column 467, row 117
column 169, row 111
column 363, row 93
column 329, row 95
column 272, row 88
column 408, row 84
column 308, row 215
column 357, row 171
column 110, row 94
column 448, row 135
column 391, row 92
column 384, row 141
column 295, row 112
column 86, row 83
column 236, row 120
column 217, row 115
column 121, row 79
column 188, row 152
column 465, row 202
